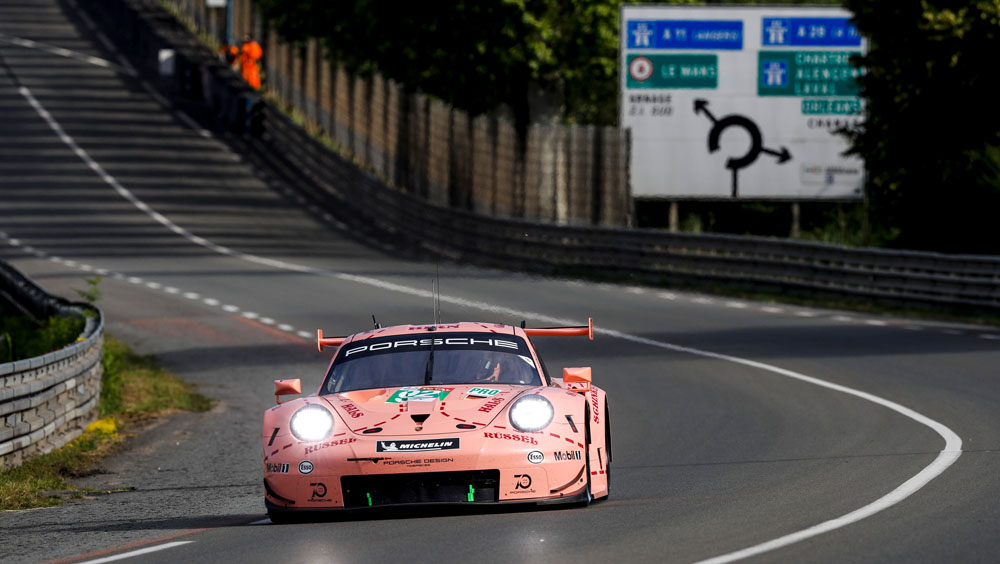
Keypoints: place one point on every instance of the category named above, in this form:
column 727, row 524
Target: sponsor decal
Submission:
column 417, row 446
column 421, row 393
column 318, row 493
column 481, row 393
column 560, row 456
column 417, row 461
column 594, row 404
column 511, row 437
column 352, row 410
column 490, row 405
column 535, row 457
column 439, row 342
column 320, row 446
column 523, row 481
column 319, row 490
column 276, row 468
column 305, row 467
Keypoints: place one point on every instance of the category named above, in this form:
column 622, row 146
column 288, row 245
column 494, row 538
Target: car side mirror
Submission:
column 577, row 379
column 286, row 388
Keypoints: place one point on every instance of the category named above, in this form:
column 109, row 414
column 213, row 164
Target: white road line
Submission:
column 62, row 52
column 139, row 552
column 667, row 295
column 843, row 318
column 261, row 522
column 991, row 336
column 947, row 456
column 876, row 322
column 230, row 308
column 704, row 301
column 772, row 309
column 736, row 305
column 192, row 124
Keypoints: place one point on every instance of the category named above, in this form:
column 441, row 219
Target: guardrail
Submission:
column 47, row 401
column 372, row 210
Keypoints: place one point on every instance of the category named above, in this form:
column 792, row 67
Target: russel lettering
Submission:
column 319, row 446
column 510, row 437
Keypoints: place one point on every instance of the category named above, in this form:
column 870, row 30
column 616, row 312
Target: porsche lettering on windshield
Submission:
column 416, row 361
column 427, row 343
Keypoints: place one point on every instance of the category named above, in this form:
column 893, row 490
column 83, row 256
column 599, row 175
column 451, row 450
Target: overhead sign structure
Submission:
column 740, row 102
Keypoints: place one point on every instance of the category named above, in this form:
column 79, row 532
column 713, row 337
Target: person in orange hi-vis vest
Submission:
column 250, row 53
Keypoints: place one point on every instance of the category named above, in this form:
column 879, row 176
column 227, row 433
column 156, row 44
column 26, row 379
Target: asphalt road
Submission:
column 225, row 278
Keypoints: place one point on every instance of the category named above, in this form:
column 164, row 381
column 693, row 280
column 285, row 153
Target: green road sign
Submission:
column 806, row 74
column 673, row 71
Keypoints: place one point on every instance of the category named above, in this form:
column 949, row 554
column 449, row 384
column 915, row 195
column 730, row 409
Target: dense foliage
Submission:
column 931, row 140
column 22, row 337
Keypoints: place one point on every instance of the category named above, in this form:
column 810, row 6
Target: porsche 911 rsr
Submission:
column 461, row 413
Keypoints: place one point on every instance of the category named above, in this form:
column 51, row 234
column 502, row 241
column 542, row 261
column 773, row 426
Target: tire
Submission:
column 281, row 517
column 607, row 445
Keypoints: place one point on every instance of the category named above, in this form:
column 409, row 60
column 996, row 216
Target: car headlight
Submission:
column 311, row 423
column 531, row 413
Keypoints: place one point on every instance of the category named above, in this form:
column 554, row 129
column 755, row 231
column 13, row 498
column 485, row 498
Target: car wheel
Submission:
column 281, row 517
column 607, row 445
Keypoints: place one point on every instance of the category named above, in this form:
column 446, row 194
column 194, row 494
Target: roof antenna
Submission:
column 437, row 294
column 377, row 326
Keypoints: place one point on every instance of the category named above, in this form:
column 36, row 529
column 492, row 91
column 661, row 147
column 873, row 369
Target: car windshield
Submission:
column 454, row 358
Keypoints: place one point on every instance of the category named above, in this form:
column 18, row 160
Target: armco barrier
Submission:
column 379, row 214
column 47, row 401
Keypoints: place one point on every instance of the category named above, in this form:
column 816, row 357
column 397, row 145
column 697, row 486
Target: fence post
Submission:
column 532, row 173
column 298, row 78
column 376, row 129
column 310, row 95
column 615, row 197
column 505, row 167
column 438, row 138
column 460, row 150
column 360, row 117
column 325, row 96
column 416, row 144
column 342, row 108
column 394, row 124
column 581, row 180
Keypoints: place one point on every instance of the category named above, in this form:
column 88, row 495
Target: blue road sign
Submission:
column 809, row 32
column 685, row 34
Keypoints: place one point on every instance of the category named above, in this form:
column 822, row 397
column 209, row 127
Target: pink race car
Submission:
column 459, row 413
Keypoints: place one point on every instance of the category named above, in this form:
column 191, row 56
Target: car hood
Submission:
column 423, row 410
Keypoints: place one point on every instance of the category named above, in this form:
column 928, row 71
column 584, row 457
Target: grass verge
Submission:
column 134, row 388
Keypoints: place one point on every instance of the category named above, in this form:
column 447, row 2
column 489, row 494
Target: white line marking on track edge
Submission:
column 947, row 456
column 139, row 552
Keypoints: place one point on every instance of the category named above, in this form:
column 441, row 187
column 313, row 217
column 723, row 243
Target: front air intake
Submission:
column 475, row 486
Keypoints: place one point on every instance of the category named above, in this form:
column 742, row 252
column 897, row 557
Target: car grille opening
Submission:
column 476, row 486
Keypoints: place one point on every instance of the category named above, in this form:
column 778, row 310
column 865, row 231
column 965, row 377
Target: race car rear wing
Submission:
column 561, row 331
column 322, row 341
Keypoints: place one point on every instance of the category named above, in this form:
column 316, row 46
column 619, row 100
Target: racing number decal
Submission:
column 418, row 394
